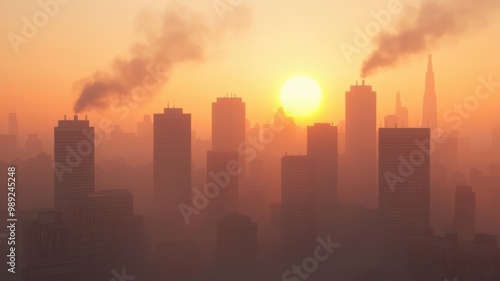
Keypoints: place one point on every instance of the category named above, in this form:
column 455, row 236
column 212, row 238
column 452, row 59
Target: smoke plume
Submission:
column 424, row 27
column 175, row 36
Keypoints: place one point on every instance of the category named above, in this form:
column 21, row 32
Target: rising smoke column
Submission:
column 180, row 36
column 424, row 27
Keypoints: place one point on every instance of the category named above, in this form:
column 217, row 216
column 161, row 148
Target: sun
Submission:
column 300, row 96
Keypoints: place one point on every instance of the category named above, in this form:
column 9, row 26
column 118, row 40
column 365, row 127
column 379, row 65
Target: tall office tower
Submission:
column 13, row 127
column 298, row 205
column 322, row 145
column 228, row 124
column 429, row 115
column 465, row 213
column 361, row 145
column 401, row 113
column 172, row 161
column 74, row 171
column 237, row 245
column 404, row 182
column 34, row 145
column 223, row 172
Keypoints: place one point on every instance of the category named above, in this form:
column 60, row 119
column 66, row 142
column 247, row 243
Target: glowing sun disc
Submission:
column 300, row 96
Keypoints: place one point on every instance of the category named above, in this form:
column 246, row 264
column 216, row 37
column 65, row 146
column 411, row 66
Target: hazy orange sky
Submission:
column 283, row 39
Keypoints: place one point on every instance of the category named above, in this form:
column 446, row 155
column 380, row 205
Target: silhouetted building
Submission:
column 390, row 121
column 298, row 205
column 361, row 145
column 117, row 142
column 229, row 127
column 172, row 161
column 96, row 236
column 429, row 115
column 322, row 145
column 404, row 182
column 465, row 213
column 447, row 258
column 228, row 124
column 223, row 172
column 74, row 171
column 401, row 113
column 237, row 245
column 34, row 145
column 44, row 238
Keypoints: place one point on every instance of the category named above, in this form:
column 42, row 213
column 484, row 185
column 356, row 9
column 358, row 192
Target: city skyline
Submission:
column 453, row 84
column 250, row 140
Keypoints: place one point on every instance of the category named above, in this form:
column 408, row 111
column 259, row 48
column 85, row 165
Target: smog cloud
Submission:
column 170, row 38
column 424, row 27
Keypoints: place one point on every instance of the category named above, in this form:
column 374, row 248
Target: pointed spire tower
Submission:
column 429, row 116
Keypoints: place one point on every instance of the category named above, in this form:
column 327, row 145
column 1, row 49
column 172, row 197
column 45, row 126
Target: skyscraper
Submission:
column 465, row 213
column 228, row 124
column 223, row 175
column 298, row 204
column 74, row 171
column 361, row 145
column 429, row 115
column 322, row 145
column 404, row 182
column 172, row 160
